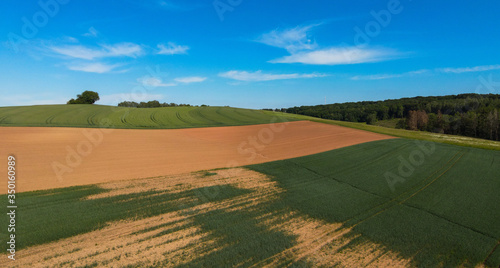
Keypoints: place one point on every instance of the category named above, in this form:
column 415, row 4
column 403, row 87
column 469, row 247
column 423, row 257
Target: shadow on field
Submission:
column 243, row 240
column 445, row 213
column 46, row 216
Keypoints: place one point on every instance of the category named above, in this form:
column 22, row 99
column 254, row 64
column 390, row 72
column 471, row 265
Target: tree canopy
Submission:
column 472, row 115
column 149, row 104
column 87, row 97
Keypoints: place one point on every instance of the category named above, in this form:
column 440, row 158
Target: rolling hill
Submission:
column 84, row 115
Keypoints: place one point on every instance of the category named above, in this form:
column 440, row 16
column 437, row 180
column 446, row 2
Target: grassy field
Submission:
column 442, row 211
column 403, row 133
column 124, row 117
column 390, row 123
column 433, row 204
column 54, row 214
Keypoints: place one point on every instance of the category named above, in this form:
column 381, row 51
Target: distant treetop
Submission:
column 87, row 97
column 149, row 104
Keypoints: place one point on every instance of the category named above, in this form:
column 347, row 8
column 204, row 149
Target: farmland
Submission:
column 445, row 212
column 353, row 206
column 272, row 191
column 60, row 157
column 100, row 116
column 83, row 115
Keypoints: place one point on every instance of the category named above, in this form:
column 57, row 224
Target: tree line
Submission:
column 151, row 104
column 473, row 115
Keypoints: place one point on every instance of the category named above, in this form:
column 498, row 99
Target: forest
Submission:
column 472, row 115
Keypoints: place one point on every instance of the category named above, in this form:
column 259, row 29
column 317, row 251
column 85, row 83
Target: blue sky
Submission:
column 242, row 53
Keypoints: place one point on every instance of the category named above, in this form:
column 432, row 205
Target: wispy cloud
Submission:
column 104, row 51
column 303, row 49
column 191, row 79
column 388, row 76
column 481, row 68
column 91, row 33
column 149, row 81
column 260, row 76
column 375, row 76
column 169, row 5
column 293, row 39
column 337, row 56
column 152, row 81
column 172, row 49
column 70, row 39
column 93, row 67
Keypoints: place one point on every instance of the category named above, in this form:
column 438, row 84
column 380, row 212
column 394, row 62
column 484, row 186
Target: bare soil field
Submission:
column 55, row 157
column 178, row 239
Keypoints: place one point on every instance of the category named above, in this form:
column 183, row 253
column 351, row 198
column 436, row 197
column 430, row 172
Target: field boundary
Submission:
column 409, row 134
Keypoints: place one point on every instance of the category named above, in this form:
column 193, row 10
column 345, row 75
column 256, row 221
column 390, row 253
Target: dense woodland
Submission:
column 472, row 115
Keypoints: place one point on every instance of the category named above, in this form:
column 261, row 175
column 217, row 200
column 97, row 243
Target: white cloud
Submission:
column 337, row 56
column 104, row 51
column 482, row 68
column 70, row 39
column 123, row 49
column 150, row 81
column 259, row 76
column 292, row 40
column 191, row 79
column 91, row 33
column 93, row 67
column 375, row 76
column 114, row 99
column 387, row 76
column 172, row 49
column 303, row 49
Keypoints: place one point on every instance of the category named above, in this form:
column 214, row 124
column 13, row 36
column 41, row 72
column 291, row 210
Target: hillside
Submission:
column 123, row 117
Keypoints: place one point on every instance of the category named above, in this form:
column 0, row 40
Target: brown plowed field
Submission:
column 59, row 157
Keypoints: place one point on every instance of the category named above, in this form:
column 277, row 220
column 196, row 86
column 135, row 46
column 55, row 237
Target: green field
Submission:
column 442, row 209
column 82, row 115
column 444, row 213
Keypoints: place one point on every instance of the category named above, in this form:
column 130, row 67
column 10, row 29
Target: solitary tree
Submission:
column 87, row 97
